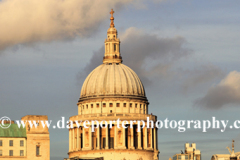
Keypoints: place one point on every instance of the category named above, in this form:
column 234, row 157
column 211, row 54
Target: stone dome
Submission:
column 112, row 80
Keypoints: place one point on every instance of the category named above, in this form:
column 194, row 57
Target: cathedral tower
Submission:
column 110, row 92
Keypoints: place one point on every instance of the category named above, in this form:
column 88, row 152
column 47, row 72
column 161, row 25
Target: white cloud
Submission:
column 225, row 93
column 27, row 21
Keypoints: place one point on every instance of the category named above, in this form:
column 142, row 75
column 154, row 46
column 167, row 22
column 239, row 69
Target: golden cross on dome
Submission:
column 112, row 19
column 112, row 12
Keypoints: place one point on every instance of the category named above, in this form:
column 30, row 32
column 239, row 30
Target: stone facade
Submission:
column 231, row 156
column 190, row 153
column 18, row 151
column 26, row 143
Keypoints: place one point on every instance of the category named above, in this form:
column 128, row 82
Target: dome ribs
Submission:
column 124, row 83
column 96, row 82
column 85, row 84
column 118, row 84
column 135, row 84
column 105, row 82
column 112, row 80
column 100, row 84
column 140, row 87
column 129, row 80
column 126, row 80
column 93, row 83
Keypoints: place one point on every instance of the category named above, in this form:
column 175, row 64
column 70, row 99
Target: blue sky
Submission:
column 193, row 46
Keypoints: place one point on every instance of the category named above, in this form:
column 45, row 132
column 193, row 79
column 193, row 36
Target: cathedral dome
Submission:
column 113, row 91
column 111, row 80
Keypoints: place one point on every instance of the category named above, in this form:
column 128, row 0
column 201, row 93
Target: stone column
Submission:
column 151, row 135
column 90, row 137
column 98, row 137
column 132, row 147
column 155, row 138
column 80, row 138
column 73, row 139
column 146, row 109
column 128, row 105
column 83, row 138
column 112, row 48
column 133, row 107
column 117, row 47
column 77, row 139
column 122, row 106
column 81, row 109
column 129, row 137
column 124, row 137
column 140, row 109
column 139, row 139
column 114, row 108
column 70, row 140
column 106, row 147
column 115, row 137
column 145, row 138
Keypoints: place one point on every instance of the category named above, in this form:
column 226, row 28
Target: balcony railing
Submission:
column 112, row 57
column 110, row 116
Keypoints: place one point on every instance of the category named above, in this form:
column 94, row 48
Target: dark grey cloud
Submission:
column 200, row 75
column 227, row 92
column 148, row 55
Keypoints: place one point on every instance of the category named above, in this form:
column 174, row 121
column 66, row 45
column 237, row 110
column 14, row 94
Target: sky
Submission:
column 186, row 53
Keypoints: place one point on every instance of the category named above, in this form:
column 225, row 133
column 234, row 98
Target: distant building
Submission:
column 25, row 143
column 191, row 153
column 231, row 156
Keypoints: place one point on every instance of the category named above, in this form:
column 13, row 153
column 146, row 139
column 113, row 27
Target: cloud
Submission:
column 147, row 54
column 200, row 75
column 225, row 93
column 29, row 21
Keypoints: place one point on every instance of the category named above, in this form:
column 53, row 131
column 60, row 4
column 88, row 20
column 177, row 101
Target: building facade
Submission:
column 113, row 91
column 231, row 156
column 27, row 143
column 190, row 153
